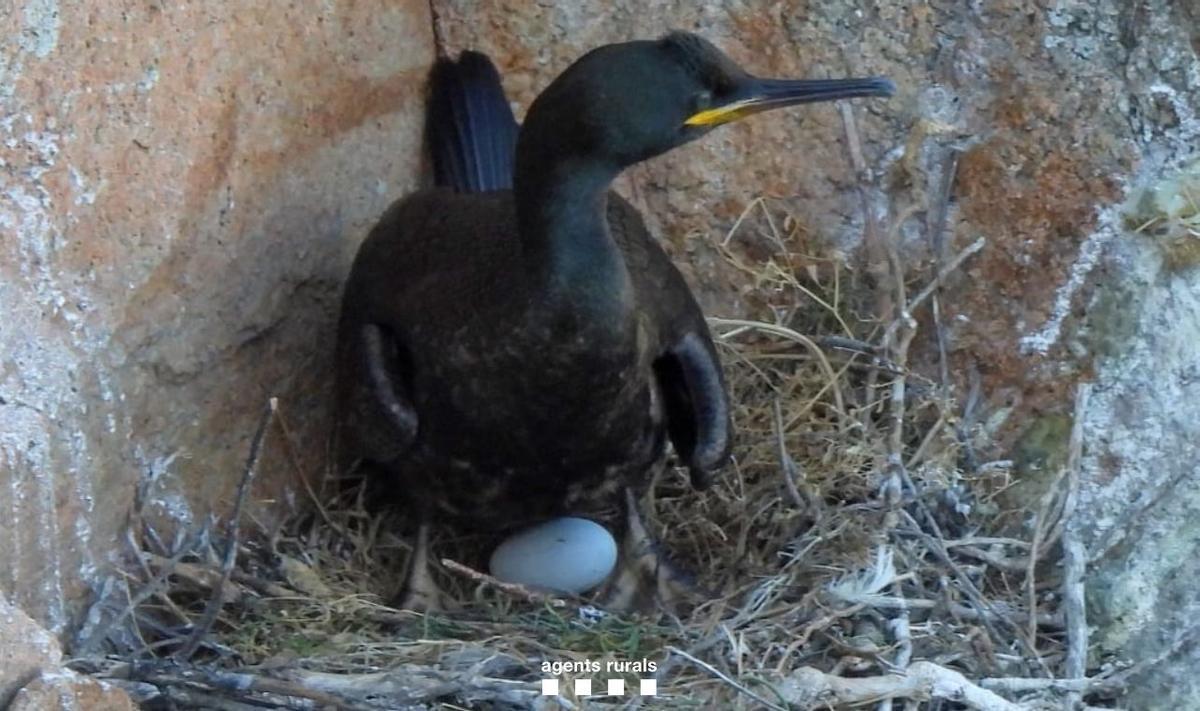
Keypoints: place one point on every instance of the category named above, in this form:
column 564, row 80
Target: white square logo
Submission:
column 549, row 687
column 616, row 687
column 583, row 687
column 648, row 687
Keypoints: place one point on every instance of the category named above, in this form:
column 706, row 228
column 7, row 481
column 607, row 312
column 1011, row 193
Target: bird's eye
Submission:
column 701, row 100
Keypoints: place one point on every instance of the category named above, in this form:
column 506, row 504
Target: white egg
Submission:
column 569, row 555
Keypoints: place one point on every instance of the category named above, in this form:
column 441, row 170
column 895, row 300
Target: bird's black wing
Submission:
column 376, row 419
column 382, row 362
column 697, row 406
column 684, row 360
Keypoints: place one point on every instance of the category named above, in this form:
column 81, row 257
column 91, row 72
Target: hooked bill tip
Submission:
column 885, row 86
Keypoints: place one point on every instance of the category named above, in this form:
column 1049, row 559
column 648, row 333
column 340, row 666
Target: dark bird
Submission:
column 513, row 342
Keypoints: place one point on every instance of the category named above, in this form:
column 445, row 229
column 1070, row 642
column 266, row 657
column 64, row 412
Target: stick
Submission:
column 818, row 625
column 788, row 466
column 1074, row 456
column 241, row 684
column 290, row 446
column 1015, row 565
column 798, row 337
column 1075, row 611
column 726, row 678
column 892, row 602
column 182, row 696
column 873, row 242
column 950, row 267
column 903, row 638
column 810, row 688
column 897, row 352
column 1035, row 553
column 936, row 225
column 155, row 586
column 847, row 344
column 209, row 576
column 1022, row 685
column 934, row 545
column 876, row 259
column 514, row 589
column 1075, row 556
column 1045, row 534
column 897, row 474
column 232, row 533
column 141, row 558
column 414, row 686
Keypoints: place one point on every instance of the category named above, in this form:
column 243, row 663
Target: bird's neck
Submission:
column 562, row 216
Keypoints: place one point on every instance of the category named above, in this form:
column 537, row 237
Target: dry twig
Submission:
column 741, row 688
column 237, row 684
column 809, row 688
column 233, row 535
column 514, row 589
column 788, row 467
column 1075, row 557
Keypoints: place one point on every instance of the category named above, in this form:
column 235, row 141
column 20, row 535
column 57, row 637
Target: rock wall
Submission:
column 181, row 188
column 33, row 678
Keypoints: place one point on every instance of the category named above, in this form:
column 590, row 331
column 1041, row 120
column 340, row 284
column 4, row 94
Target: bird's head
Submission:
column 624, row 103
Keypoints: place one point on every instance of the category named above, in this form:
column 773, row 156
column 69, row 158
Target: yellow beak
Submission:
column 765, row 94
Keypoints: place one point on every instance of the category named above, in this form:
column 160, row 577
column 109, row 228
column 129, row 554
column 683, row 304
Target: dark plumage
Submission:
column 506, row 353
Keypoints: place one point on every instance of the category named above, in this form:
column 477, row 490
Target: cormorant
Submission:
column 513, row 342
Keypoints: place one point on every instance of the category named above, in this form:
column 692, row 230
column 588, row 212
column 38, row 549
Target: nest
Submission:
column 856, row 550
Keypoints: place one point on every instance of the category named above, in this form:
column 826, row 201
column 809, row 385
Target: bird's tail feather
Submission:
column 470, row 126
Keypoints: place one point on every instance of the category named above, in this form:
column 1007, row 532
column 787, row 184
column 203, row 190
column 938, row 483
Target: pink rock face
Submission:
column 26, row 650
column 31, row 675
column 67, row 691
column 181, row 188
